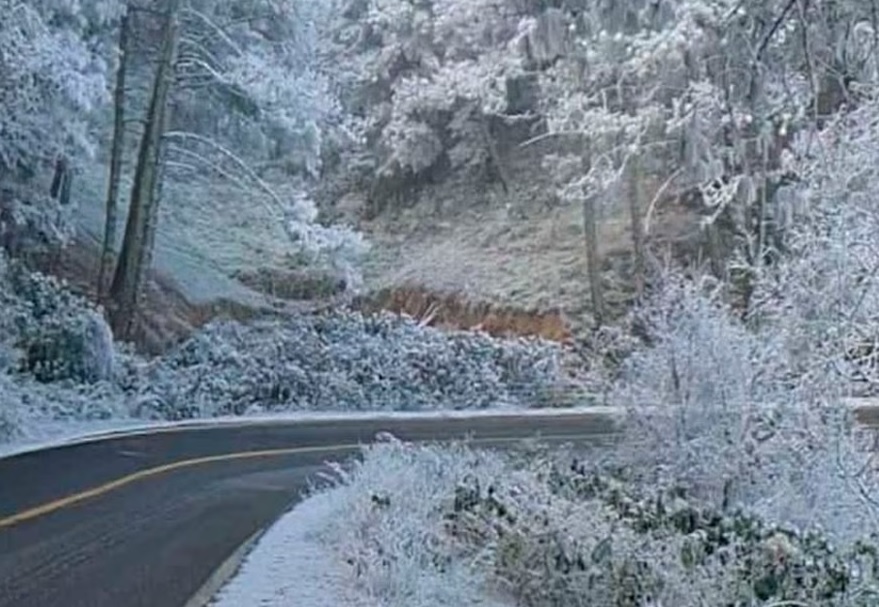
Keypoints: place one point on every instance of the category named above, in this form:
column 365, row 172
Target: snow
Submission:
column 50, row 434
column 292, row 566
column 295, row 565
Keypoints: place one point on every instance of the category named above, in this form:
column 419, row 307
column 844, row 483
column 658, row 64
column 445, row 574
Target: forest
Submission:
column 220, row 208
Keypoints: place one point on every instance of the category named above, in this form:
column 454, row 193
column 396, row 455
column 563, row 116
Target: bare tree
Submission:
column 635, row 197
column 128, row 276
column 116, row 152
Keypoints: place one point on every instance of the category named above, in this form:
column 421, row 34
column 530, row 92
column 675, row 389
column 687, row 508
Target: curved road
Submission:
column 143, row 520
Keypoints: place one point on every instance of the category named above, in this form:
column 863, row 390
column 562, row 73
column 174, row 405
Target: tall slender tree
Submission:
column 128, row 276
column 116, row 151
column 635, row 197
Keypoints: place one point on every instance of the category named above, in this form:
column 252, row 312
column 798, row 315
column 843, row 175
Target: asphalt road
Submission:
column 142, row 521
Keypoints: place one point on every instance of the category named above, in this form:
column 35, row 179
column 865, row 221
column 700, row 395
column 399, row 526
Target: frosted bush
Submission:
column 339, row 248
column 31, row 221
column 453, row 526
column 390, row 528
column 32, row 410
column 722, row 411
column 347, row 361
column 60, row 335
column 337, row 361
column 58, row 361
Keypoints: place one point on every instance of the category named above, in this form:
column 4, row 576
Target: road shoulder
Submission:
column 291, row 565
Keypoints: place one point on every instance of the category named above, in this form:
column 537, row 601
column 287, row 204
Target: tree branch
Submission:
column 241, row 164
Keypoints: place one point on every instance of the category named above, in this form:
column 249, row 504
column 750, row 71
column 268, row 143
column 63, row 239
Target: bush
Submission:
column 34, row 410
column 61, row 335
column 726, row 412
column 346, row 361
column 336, row 361
column 57, row 357
column 549, row 530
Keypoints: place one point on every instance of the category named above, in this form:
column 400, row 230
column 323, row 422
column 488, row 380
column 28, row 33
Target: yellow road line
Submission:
column 75, row 498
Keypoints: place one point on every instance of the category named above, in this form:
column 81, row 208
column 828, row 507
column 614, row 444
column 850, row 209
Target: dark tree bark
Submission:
column 116, row 151
column 125, row 289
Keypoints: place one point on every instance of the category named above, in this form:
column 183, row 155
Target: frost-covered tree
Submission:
column 53, row 74
column 426, row 83
column 710, row 94
column 701, row 97
column 232, row 86
column 248, row 76
column 754, row 411
column 822, row 293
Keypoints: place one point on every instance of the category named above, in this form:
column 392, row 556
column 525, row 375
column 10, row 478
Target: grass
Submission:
column 520, row 249
column 205, row 234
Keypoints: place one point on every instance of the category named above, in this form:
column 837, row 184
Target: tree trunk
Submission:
column 494, row 156
column 129, row 271
column 61, row 181
column 116, row 152
column 716, row 256
column 593, row 261
column 152, row 219
column 636, row 206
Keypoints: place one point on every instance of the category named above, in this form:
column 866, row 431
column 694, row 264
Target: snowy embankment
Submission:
column 368, row 541
column 293, row 565
column 62, row 374
column 451, row 526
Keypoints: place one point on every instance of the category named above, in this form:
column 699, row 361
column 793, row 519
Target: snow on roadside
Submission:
column 291, row 565
column 55, row 433
column 297, row 563
column 375, row 539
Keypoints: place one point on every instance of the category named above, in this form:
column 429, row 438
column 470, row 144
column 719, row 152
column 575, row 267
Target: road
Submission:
column 142, row 521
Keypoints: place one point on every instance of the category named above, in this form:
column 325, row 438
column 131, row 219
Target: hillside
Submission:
column 668, row 207
column 522, row 250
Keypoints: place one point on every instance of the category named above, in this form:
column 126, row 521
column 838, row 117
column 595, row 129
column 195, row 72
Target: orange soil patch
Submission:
column 452, row 311
column 167, row 317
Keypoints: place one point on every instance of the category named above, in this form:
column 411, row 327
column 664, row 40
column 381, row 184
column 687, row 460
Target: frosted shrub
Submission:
column 340, row 248
column 698, row 391
column 32, row 410
column 391, row 524
column 453, row 525
column 61, row 335
column 31, row 221
column 723, row 412
column 347, row 361
column 57, row 357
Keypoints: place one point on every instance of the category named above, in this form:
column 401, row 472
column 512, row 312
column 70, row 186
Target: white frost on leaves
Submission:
column 330, row 541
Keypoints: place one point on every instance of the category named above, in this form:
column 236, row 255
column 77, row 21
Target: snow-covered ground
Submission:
column 322, row 552
column 49, row 433
column 292, row 565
